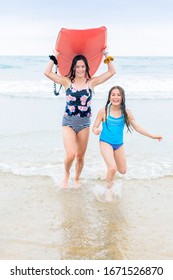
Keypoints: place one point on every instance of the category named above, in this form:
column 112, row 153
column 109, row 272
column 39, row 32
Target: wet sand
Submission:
column 39, row 221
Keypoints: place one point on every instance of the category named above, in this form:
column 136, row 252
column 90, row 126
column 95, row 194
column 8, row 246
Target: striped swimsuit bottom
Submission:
column 76, row 122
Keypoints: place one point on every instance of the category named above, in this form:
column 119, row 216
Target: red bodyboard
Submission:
column 88, row 42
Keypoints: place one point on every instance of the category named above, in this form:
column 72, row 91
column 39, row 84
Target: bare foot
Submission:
column 64, row 184
column 77, row 184
column 109, row 185
column 117, row 189
column 108, row 195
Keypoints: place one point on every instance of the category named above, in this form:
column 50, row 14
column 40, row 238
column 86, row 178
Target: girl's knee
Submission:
column 123, row 170
column 112, row 169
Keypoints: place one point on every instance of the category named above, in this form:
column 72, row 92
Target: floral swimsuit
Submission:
column 78, row 102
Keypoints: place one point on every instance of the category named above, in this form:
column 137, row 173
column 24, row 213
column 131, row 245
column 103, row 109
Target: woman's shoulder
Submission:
column 91, row 83
column 67, row 82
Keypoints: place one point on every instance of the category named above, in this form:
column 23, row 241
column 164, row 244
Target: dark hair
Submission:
column 123, row 106
column 71, row 73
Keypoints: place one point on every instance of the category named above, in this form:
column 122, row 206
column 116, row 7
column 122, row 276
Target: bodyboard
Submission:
column 88, row 42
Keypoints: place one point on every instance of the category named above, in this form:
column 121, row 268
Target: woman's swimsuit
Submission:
column 78, row 108
column 112, row 131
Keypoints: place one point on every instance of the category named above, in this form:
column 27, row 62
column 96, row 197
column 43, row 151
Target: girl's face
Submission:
column 115, row 97
column 80, row 68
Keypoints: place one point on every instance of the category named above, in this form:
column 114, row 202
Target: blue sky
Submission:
column 134, row 27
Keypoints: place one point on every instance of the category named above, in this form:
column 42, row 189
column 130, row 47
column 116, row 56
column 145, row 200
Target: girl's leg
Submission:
column 82, row 142
column 120, row 159
column 69, row 139
column 108, row 156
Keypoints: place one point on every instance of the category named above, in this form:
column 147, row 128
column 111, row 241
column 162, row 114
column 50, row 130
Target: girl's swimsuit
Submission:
column 112, row 131
column 78, row 108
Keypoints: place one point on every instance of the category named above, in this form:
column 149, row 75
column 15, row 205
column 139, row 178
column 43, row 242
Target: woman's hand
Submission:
column 105, row 51
column 55, row 53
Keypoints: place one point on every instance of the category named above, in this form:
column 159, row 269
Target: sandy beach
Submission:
column 39, row 221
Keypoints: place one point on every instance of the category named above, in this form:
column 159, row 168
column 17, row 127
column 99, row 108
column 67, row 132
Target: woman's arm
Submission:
column 55, row 77
column 105, row 76
column 140, row 130
column 100, row 116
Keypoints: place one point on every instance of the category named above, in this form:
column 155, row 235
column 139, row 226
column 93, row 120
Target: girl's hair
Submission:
column 71, row 73
column 123, row 106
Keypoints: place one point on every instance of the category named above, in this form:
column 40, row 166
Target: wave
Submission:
column 144, row 171
column 136, row 87
column 6, row 66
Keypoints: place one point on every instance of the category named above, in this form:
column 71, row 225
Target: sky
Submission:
column 134, row 27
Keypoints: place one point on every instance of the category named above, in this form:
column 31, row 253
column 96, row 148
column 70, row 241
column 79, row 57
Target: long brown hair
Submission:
column 123, row 106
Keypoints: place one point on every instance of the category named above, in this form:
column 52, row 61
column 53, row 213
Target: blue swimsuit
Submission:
column 112, row 131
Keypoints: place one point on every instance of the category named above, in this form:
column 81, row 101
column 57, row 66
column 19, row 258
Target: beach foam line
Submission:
column 42, row 89
column 55, row 171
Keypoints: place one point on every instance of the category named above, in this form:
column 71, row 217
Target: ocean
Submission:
column 31, row 147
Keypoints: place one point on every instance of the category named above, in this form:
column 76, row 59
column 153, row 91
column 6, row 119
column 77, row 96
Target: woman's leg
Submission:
column 108, row 156
column 82, row 141
column 69, row 139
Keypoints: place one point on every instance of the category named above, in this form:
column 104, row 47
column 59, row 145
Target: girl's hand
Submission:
column 96, row 130
column 158, row 137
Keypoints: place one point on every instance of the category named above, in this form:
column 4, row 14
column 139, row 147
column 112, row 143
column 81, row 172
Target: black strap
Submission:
column 54, row 91
column 53, row 58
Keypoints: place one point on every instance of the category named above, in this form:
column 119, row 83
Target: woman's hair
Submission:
column 123, row 106
column 71, row 73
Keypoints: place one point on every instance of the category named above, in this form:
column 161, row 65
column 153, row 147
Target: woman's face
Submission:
column 115, row 97
column 80, row 68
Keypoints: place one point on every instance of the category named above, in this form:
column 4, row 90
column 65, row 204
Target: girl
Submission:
column 114, row 117
column 79, row 86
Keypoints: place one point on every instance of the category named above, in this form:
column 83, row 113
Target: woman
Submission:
column 114, row 117
column 79, row 86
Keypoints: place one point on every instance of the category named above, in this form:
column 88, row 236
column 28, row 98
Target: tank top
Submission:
column 112, row 129
column 78, row 102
